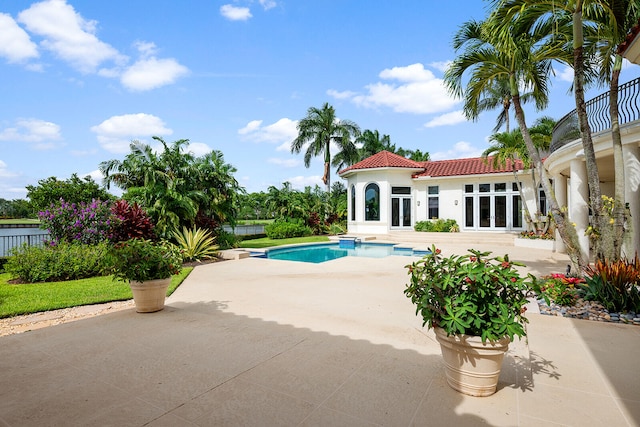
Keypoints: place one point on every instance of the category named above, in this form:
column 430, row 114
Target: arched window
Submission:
column 353, row 203
column 372, row 203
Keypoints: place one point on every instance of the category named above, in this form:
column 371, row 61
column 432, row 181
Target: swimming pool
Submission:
column 318, row 253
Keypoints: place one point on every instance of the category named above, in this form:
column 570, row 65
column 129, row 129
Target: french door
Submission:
column 401, row 211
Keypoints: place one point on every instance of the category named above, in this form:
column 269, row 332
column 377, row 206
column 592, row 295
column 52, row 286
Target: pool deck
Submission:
column 262, row 342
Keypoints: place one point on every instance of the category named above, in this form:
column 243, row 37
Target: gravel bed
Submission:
column 588, row 310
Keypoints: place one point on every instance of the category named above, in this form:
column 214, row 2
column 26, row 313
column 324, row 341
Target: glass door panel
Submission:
column 485, row 211
column 406, row 212
column 395, row 212
column 500, row 211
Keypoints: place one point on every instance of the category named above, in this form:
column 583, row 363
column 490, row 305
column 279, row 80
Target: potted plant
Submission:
column 476, row 305
column 148, row 267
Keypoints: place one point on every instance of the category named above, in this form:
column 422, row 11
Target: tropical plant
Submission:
column 615, row 284
column 439, row 225
column 64, row 261
column 472, row 294
column 141, row 260
column 133, row 222
column 525, row 62
column 174, row 186
column 317, row 130
column 558, row 288
column 196, row 244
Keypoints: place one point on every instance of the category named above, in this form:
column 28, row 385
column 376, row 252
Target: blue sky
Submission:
column 80, row 79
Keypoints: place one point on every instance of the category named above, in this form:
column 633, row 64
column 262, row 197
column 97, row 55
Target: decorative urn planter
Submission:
column 476, row 305
column 149, row 295
column 147, row 266
column 471, row 366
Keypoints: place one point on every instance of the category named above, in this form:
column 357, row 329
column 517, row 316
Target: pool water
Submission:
column 329, row 251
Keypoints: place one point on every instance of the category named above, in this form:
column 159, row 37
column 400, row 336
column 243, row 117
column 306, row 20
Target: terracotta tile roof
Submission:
column 440, row 168
column 457, row 167
column 383, row 159
column 631, row 35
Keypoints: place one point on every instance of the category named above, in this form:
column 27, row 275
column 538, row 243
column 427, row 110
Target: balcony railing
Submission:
column 567, row 128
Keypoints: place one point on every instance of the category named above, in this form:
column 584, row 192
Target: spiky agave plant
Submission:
column 196, row 244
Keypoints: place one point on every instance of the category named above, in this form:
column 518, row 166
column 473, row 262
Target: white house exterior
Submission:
column 387, row 192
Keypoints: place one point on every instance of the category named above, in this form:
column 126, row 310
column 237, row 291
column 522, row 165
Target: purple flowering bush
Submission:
column 87, row 223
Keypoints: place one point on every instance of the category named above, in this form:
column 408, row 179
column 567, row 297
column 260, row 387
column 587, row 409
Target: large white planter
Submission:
column 149, row 295
column 472, row 367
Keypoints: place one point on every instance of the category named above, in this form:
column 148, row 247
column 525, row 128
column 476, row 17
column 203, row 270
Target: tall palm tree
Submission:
column 317, row 130
column 573, row 24
column 626, row 14
column 524, row 62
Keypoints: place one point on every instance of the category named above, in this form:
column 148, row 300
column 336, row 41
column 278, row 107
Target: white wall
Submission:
column 451, row 189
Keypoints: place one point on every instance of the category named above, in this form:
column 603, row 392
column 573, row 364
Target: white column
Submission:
column 560, row 188
column 631, row 155
column 579, row 206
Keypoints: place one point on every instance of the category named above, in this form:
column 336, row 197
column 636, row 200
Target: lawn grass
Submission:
column 20, row 221
column 36, row 297
column 265, row 242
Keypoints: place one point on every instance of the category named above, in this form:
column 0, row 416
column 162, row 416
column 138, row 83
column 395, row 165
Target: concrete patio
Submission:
column 265, row 342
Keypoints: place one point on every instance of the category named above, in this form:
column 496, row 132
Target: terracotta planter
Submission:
column 149, row 295
column 472, row 367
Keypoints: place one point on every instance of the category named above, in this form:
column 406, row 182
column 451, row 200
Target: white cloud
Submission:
column 418, row 92
column 68, row 35
column 40, row 133
column 287, row 163
column 115, row 133
column 440, row 65
column 341, row 95
column 447, row 119
column 283, row 131
column 151, row 73
column 268, row 4
column 5, row 172
column 234, row 13
column 198, row 149
column 459, row 150
column 300, row 182
column 252, row 126
column 565, row 74
column 15, row 44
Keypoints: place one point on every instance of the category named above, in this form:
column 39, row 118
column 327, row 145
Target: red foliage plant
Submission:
column 134, row 222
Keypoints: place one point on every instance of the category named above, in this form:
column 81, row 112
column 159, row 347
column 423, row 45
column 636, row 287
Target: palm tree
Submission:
column 626, row 14
column 524, row 62
column 174, row 186
column 506, row 148
column 317, row 130
column 574, row 25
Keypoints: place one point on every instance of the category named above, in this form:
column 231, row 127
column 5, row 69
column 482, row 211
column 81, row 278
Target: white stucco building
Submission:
column 387, row 192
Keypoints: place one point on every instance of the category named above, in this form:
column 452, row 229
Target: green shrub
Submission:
column 64, row 261
column 438, row 225
column 226, row 240
column 284, row 229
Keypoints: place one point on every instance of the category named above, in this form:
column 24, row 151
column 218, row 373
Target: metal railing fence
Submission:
column 567, row 128
column 9, row 242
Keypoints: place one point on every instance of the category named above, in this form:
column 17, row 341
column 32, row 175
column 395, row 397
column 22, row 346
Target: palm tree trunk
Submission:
column 618, row 162
column 593, row 176
column 566, row 230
